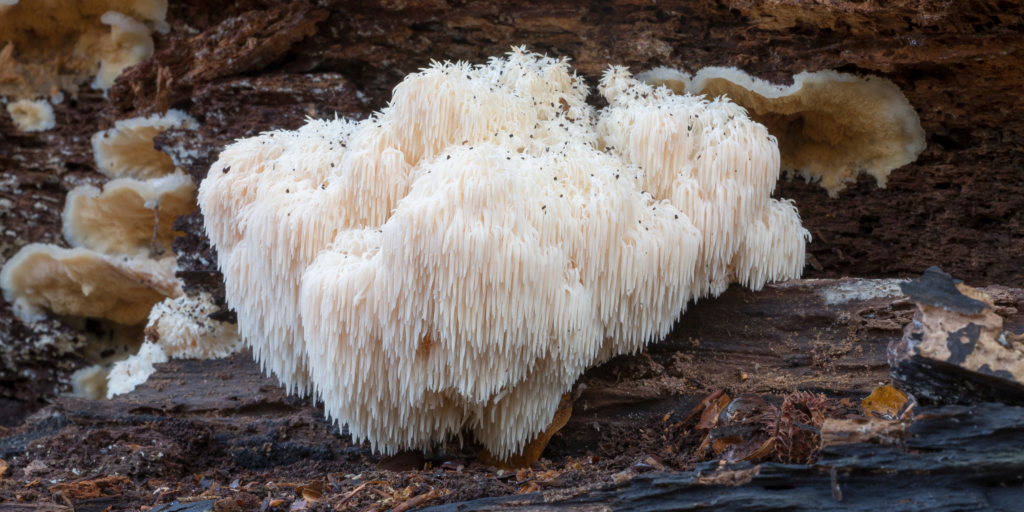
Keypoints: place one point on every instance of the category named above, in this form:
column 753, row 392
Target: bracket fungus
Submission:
column 82, row 282
column 128, row 45
column 127, row 151
column 129, row 216
column 830, row 126
column 32, row 116
column 109, row 272
column 120, row 264
column 55, row 45
column 455, row 262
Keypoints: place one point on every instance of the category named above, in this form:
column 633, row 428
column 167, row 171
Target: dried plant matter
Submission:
column 831, row 126
column 458, row 260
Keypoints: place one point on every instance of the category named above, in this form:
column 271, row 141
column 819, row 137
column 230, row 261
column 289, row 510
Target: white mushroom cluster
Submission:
column 457, row 261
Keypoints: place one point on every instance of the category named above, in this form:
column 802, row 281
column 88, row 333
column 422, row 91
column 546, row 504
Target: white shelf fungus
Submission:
column 129, row 216
column 90, row 382
column 82, row 282
column 676, row 80
column 831, row 126
column 54, row 45
column 458, row 260
column 126, row 150
column 184, row 329
column 128, row 45
column 32, row 116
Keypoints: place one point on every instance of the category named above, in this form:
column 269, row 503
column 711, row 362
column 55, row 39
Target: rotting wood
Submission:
column 952, row 458
column 265, row 66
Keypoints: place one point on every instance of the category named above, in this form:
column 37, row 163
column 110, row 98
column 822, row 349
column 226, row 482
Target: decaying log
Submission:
column 952, row 458
column 244, row 66
column 825, row 336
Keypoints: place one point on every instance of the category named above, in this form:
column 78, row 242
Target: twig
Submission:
column 417, row 501
column 699, row 408
column 354, row 491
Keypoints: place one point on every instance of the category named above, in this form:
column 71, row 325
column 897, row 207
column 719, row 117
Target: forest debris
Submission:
column 227, row 505
column 417, row 501
column 269, row 503
column 699, row 408
column 649, row 462
column 89, row 489
column 709, row 417
column 355, row 491
column 624, row 476
column 311, row 492
column 730, row 477
column 36, row 466
column 884, row 402
column 862, row 430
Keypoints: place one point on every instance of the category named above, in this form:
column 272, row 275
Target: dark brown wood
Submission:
column 953, row 458
column 244, row 66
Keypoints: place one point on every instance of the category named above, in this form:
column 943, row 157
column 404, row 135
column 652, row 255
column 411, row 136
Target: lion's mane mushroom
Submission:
column 129, row 216
column 459, row 259
column 32, row 116
column 717, row 166
column 127, row 151
column 830, row 126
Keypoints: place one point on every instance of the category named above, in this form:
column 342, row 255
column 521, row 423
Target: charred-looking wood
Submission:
column 937, row 288
column 956, row 350
column 951, row 458
column 939, row 382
